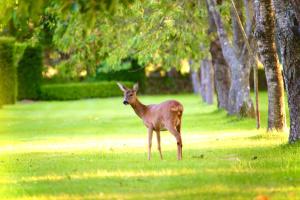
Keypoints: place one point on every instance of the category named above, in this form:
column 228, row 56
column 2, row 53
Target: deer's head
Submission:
column 129, row 94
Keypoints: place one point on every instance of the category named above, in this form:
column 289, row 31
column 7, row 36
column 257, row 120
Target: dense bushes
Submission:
column 72, row 91
column 8, row 75
column 169, row 85
column 182, row 83
column 30, row 73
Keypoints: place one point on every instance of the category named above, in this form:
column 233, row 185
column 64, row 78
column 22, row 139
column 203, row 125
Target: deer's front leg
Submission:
column 150, row 133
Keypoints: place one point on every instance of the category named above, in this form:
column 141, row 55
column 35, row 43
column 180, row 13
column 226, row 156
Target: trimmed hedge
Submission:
column 73, row 91
column 19, row 51
column 30, row 73
column 8, row 74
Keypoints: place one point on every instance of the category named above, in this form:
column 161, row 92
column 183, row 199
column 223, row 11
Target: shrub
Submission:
column 8, row 74
column 30, row 73
column 73, row 91
column 19, row 51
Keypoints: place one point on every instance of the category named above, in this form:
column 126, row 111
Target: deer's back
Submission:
column 167, row 112
column 167, row 106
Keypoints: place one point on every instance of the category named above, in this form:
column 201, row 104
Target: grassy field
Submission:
column 96, row 149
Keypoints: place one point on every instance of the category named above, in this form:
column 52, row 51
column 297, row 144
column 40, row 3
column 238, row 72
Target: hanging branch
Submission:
column 254, row 66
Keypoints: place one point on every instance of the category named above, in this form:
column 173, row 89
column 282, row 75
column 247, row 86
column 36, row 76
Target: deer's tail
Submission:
column 178, row 108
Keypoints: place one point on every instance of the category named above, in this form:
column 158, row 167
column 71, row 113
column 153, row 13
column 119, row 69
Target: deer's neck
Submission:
column 139, row 108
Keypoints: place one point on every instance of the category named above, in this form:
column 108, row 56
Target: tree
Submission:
column 207, row 81
column 221, row 74
column 42, row 21
column 158, row 32
column 265, row 36
column 221, row 69
column 20, row 18
column 195, row 80
column 296, row 7
column 287, row 24
column 240, row 102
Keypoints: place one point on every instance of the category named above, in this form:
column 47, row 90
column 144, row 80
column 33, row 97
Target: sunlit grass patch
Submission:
column 97, row 149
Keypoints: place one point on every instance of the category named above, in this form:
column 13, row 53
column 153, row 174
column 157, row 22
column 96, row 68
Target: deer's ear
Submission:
column 136, row 87
column 122, row 87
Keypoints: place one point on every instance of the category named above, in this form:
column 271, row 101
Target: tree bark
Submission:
column 195, row 81
column 207, row 81
column 249, row 16
column 221, row 69
column 265, row 36
column 289, row 42
column 296, row 7
column 221, row 75
column 240, row 102
column 238, row 41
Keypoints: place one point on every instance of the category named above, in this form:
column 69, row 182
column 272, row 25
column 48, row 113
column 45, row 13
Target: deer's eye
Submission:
column 131, row 95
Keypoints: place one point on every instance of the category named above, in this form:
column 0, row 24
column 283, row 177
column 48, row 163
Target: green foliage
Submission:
column 8, row 74
column 44, row 33
column 20, row 18
column 19, row 51
column 158, row 32
column 30, row 73
column 130, row 71
column 71, row 91
column 92, row 32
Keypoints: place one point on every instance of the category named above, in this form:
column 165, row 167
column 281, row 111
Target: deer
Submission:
column 165, row 116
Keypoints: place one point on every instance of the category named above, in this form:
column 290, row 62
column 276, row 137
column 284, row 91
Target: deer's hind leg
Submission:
column 178, row 139
column 178, row 128
column 158, row 143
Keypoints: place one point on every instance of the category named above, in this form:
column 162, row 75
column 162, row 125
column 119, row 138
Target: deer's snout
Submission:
column 125, row 102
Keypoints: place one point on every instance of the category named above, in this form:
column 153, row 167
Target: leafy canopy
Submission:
column 91, row 32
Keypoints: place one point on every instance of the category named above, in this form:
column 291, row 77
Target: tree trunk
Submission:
column 265, row 35
column 239, row 94
column 289, row 42
column 240, row 102
column 238, row 41
column 222, row 74
column 242, row 54
column 195, row 81
column 221, row 69
column 207, row 81
column 296, row 7
column 249, row 16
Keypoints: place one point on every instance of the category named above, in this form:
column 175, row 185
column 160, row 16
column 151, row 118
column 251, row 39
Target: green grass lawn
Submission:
column 97, row 149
